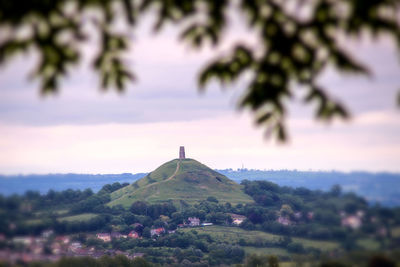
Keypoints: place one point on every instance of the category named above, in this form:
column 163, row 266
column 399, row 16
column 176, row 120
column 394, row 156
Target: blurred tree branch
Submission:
column 297, row 41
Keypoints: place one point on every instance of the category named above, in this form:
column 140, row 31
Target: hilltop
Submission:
column 181, row 179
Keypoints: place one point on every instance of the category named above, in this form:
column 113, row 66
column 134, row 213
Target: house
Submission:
column 157, row 231
column 382, row 231
column 56, row 248
column 237, row 219
column 116, row 235
column 36, row 249
column 106, row 237
column 193, row 221
column 47, row 233
column 284, row 220
column 62, row 239
column 298, row 215
column 75, row 246
column 133, row 234
column 135, row 255
column 360, row 213
column 352, row 221
column 137, row 226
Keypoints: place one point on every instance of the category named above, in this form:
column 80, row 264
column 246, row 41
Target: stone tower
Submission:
column 182, row 152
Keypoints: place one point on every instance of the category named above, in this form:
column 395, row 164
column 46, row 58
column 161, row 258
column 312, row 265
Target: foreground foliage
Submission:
column 117, row 261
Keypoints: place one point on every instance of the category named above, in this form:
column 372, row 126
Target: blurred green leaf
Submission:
column 398, row 99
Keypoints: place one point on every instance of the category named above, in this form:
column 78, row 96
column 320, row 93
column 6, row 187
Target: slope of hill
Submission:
column 185, row 179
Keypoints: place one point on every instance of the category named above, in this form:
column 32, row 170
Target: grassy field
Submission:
column 266, row 251
column 322, row 245
column 232, row 235
column 396, row 232
column 46, row 212
column 368, row 244
column 61, row 212
column 78, row 218
column 33, row 221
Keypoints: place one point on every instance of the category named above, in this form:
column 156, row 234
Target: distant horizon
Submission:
column 216, row 169
column 382, row 187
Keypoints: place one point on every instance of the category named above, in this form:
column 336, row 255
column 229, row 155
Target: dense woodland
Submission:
column 311, row 214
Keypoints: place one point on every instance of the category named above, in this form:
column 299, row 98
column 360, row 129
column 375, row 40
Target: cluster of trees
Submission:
column 190, row 258
column 37, row 201
column 18, row 210
column 181, row 246
column 117, row 261
column 312, row 213
column 43, row 211
column 109, row 188
column 271, row 202
column 96, row 203
column 152, row 210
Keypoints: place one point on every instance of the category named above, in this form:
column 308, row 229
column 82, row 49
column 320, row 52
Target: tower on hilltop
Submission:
column 182, row 152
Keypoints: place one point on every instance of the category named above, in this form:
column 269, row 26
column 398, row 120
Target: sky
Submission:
column 85, row 130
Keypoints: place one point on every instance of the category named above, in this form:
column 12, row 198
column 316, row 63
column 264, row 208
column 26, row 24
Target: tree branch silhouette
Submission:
column 297, row 41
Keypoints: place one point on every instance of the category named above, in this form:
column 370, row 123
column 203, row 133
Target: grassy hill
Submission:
column 186, row 179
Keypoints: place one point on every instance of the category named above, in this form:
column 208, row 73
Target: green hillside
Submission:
column 185, row 179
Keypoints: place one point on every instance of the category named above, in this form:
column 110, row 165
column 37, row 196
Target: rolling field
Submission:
column 232, row 235
column 266, row 251
column 396, row 232
column 78, row 218
column 368, row 244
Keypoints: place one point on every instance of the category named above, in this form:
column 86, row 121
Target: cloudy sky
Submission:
column 85, row 130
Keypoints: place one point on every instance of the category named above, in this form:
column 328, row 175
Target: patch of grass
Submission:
column 232, row 235
column 368, row 244
column 44, row 213
column 33, row 221
column 78, row 218
column 396, row 232
column 162, row 172
column 318, row 244
column 266, row 251
column 61, row 212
